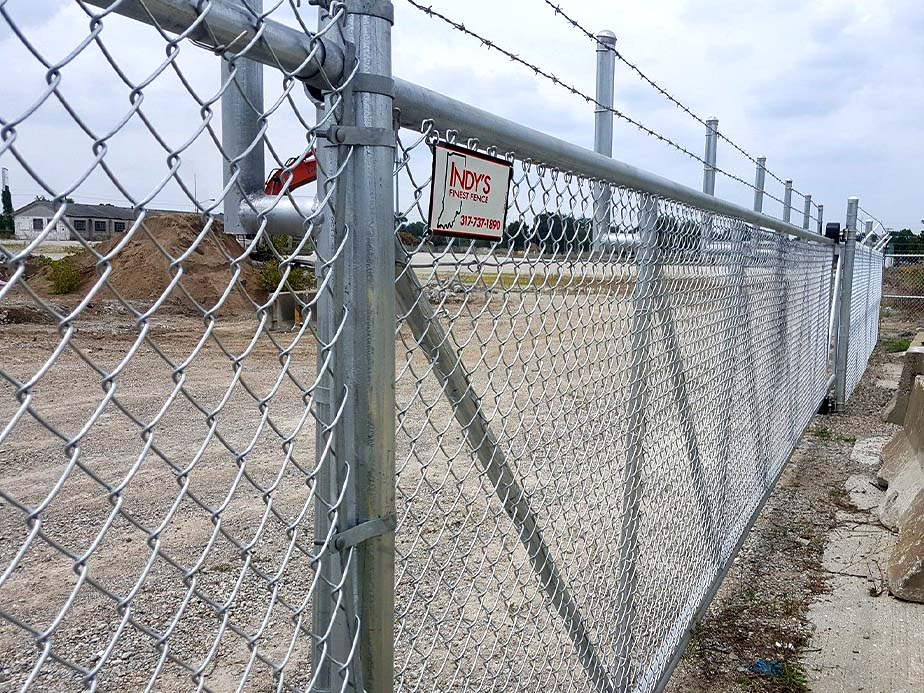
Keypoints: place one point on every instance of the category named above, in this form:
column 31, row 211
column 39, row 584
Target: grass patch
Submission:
column 823, row 433
column 793, row 678
column 297, row 279
column 894, row 346
column 63, row 276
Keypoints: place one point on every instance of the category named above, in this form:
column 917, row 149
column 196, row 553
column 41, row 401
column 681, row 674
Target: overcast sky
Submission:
column 830, row 91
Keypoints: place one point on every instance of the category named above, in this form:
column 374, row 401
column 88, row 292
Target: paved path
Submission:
column 865, row 640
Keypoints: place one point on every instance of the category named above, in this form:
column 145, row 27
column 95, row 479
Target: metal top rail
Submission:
column 316, row 59
column 417, row 104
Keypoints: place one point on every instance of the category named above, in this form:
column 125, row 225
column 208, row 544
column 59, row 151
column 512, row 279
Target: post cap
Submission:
column 606, row 36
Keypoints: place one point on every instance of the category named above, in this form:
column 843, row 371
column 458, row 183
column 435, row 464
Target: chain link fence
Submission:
column 584, row 435
column 168, row 465
column 903, row 286
column 865, row 297
column 290, row 441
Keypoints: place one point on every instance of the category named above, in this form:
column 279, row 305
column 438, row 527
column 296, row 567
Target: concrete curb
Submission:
column 912, row 366
column 902, row 506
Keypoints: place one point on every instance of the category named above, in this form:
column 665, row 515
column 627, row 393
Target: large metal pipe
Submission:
column 283, row 217
column 316, row 60
column 418, row 103
column 241, row 139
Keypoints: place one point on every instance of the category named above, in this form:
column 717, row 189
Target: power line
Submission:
column 577, row 92
column 666, row 94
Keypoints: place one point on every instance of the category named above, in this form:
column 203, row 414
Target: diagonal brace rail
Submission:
column 414, row 307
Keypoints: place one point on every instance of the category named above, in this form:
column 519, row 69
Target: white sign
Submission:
column 468, row 196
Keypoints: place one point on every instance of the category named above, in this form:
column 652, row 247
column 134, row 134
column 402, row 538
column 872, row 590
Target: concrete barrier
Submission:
column 912, row 366
column 905, row 571
column 902, row 507
column 902, row 471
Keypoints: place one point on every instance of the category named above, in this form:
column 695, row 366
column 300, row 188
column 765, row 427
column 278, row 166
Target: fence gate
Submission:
column 523, row 464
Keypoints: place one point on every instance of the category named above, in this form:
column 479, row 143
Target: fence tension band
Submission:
column 351, row 134
column 383, row 9
column 373, row 84
column 363, row 532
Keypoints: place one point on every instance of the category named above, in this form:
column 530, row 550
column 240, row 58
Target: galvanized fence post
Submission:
column 759, row 183
column 821, row 219
column 369, row 325
column 330, row 625
column 843, row 326
column 787, row 200
column 867, row 230
column 241, row 112
column 807, row 212
column 603, row 130
column 712, row 137
column 712, row 140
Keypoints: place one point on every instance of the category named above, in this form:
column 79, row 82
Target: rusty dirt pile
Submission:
column 141, row 272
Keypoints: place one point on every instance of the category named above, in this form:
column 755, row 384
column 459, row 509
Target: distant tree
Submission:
column 906, row 242
column 6, row 218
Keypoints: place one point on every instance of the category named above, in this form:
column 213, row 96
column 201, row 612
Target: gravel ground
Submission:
column 470, row 611
column 761, row 610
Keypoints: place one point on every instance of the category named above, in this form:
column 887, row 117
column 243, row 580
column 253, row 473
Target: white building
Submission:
column 92, row 222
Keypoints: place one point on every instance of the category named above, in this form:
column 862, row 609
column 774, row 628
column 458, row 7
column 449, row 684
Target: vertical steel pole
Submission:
column 821, row 219
column 644, row 303
column 843, row 327
column 759, row 183
column 712, row 137
column 807, row 212
column 787, row 200
column 241, row 115
column 712, row 140
column 603, row 130
column 330, row 627
column 868, row 231
column 368, row 336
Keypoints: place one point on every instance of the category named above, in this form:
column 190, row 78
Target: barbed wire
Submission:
column 666, row 94
column 873, row 217
column 459, row 26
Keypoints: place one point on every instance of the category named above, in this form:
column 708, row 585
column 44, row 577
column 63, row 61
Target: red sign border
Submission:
column 479, row 155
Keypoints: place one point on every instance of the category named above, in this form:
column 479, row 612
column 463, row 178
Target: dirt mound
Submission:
column 141, row 271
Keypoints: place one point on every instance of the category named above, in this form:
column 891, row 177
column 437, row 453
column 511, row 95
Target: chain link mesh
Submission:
column 585, row 432
column 903, row 286
column 589, row 412
column 865, row 297
column 168, row 469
